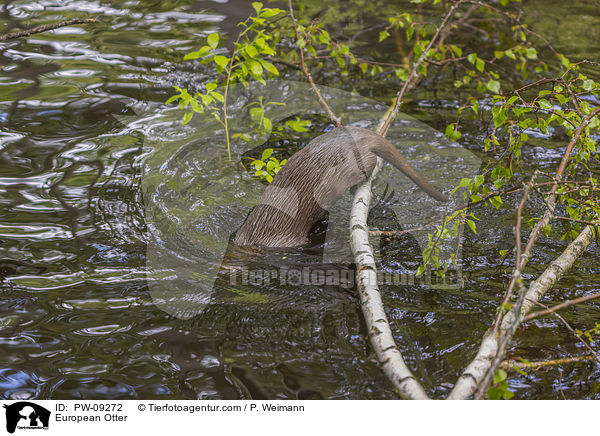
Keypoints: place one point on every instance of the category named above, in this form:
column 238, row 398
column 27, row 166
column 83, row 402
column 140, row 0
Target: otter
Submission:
column 313, row 180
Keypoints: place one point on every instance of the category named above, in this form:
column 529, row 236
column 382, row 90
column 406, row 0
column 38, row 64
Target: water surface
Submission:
column 76, row 316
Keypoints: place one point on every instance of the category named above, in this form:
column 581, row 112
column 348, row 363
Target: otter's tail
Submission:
column 385, row 150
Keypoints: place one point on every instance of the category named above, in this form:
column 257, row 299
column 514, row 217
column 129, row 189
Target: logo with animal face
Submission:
column 26, row 415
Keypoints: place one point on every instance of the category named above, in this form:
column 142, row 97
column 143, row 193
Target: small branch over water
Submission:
column 45, row 28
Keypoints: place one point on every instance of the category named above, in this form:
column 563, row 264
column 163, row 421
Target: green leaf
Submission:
column 257, row 7
column 172, row 99
column 267, row 124
column 187, row 117
column 531, row 53
column 256, row 113
column 298, row 125
column 544, row 104
column 270, row 12
column 500, row 115
column 496, row 201
column 258, row 164
column 494, row 393
column 384, row 34
column 480, row 65
column 197, row 54
column 250, row 51
column 494, row 86
column 243, row 137
column 218, row 96
column 562, row 99
column 213, row 40
column 512, row 100
column 266, row 154
column 196, row 106
column 457, row 50
column 270, row 68
column 452, row 132
column 256, row 70
column 401, row 73
column 500, row 376
column 324, row 37
column 207, row 99
column 546, row 229
column 471, row 225
column 221, row 62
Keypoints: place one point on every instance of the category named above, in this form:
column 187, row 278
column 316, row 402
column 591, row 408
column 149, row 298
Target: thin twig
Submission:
column 509, row 365
column 517, row 19
column 561, row 306
column 45, row 28
column 517, row 272
column 330, row 113
column 520, row 217
column 571, row 329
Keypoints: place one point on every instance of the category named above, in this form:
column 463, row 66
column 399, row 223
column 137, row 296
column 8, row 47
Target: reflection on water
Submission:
column 77, row 319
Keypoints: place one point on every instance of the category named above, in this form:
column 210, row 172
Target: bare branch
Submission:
column 511, row 365
column 45, row 28
column 560, row 306
column 572, row 330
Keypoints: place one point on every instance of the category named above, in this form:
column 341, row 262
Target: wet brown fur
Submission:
column 312, row 181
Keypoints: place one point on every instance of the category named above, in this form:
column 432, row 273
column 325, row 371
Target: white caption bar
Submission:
column 264, row 418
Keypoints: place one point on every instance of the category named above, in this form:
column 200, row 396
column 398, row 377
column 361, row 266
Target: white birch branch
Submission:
column 483, row 362
column 470, row 377
column 380, row 333
column 378, row 326
column 550, row 276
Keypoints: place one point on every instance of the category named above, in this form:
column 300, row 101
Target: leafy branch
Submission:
column 254, row 44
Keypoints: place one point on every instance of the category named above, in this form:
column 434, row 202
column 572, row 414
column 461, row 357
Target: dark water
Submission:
column 77, row 316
